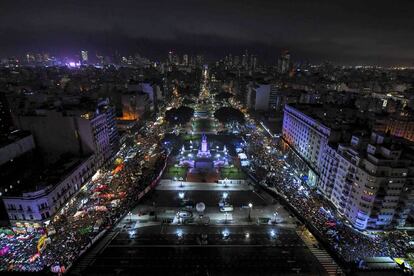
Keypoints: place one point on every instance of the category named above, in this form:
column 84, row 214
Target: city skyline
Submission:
column 345, row 33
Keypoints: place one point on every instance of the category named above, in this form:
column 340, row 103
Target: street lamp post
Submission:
column 274, row 217
column 250, row 209
column 130, row 216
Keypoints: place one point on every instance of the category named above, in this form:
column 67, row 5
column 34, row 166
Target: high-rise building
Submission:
column 245, row 60
column 284, row 63
column 258, row 95
column 308, row 128
column 84, row 55
column 253, row 63
column 370, row 180
column 185, row 60
column 30, row 58
column 77, row 129
column 170, row 57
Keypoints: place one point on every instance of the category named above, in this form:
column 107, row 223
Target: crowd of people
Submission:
column 280, row 175
column 97, row 206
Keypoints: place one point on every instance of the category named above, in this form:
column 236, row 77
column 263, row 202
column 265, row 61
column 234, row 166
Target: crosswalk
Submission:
column 331, row 267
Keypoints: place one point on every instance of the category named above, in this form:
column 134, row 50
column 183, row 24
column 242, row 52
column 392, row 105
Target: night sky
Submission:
column 345, row 32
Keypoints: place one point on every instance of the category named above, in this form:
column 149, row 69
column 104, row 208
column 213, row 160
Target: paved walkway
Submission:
column 170, row 185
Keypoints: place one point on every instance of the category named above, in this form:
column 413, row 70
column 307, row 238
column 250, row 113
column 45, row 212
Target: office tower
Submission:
column 84, row 55
column 258, row 96
column 284, row 63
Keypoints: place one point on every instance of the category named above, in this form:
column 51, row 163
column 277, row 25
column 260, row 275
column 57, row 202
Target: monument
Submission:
column 204, row 151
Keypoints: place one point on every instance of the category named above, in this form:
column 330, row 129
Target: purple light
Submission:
column 73, row 64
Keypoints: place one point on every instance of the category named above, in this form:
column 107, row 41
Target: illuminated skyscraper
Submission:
column 84, row 55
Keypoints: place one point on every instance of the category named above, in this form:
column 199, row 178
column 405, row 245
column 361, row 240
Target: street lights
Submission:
column 179, row 233
column 225, row 234
column 272, row 234
column 130, row 216
column 250, row 209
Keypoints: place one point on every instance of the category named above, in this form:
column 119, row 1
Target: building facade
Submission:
column 75, row 130
column 371, row 181
column 307, row 136
column 38, row 204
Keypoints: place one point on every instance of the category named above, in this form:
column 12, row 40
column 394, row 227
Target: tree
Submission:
column 187, row 101
column 178, row 116
column 223, row 96
column 229, row 115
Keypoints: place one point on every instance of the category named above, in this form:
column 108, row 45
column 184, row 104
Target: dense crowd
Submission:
column 280, row 175
column 97, row 206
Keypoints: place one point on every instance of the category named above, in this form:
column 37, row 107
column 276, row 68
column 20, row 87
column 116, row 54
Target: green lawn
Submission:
column 188, row 137
column 175, row 172
column 231, row 173
column 203, row 125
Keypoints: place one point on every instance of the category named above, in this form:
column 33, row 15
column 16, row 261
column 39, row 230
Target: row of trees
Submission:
column 179, row 116
column 228, row 115
column 183, row 114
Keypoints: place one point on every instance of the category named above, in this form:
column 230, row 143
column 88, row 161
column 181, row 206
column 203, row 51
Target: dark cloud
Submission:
column 350, row 31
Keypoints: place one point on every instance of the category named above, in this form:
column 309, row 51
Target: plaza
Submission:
column 206, row 215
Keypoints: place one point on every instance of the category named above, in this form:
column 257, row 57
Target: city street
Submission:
column 206, row 250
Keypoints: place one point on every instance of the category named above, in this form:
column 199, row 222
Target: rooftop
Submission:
column 332, row 115
column 13, row 136
column 43, row 176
